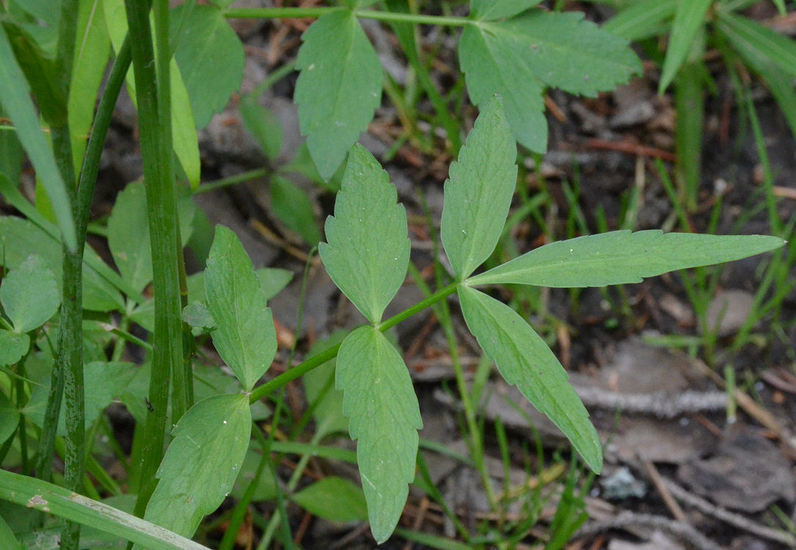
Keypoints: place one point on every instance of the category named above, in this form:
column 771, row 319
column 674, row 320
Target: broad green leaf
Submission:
column 9, row 417
column 128, row 232
column 92, row 50
column 197, row 315
column 333, row 499
column 514, row 58
column 641, row 19
column 201, row 463
column 490, row 10
column 245, row 336
column 325, row 400
column 490, row 67
column 292, row 206
column 12, row 346
column 7, row 538
column 338, row 89
column 367, row 248
column 524, row 360
column 745, row 34
column 620, row 257
column 263, row 125
column 29, row 294
column 210, row 57
column 61, row 502
column 184, row 138
column 688, row 18
column 381, row 405
column 16, row 102
column 478, row 193
column 273, row 280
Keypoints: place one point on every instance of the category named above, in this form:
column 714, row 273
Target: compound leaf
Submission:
column 515, row 57
column 381, row 405
column 16, row 102
column 202, row 462
column 524, row 360
column 620, row 257
column 367, row 248
column 210, row 57
column 338, row 89
column 478, row 193
column 689, row 16
column 490, row 10
column 29, row 294
column 245, row 336
column 333, row 499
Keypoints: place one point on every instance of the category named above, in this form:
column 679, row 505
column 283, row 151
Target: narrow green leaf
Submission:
column 688, row 18
column 92, row 50
column 210, row 57
column 478, row 193
column 781, row 7
column 490, row 10
column 12, row 346
column 16, row 102
column 524, row 360
column 641, row 19
column 9, row 417
column 384, row 417
column 63, row 503
column 367, row 249
column 29, row 294
column 11, row 154
column 292, row 206
column 202, row 463
column 128, row 233
column 747, row 35
column 326, row 401
column 245, row 337
column 620, row 257
column 333, row 499
column 338, row 89
column 263, row 125
column 7, row 538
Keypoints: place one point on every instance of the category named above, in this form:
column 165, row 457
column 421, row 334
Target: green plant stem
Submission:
column 156, row 150
column 232, row 180
column 291, row 13
column 317, row 360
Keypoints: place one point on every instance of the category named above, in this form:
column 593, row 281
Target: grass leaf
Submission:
column 620, row 257
column 478, row 193
column 641, row 20
column 367, row 249
column 747, row 35
column 524, row 360
column 245, row 336
column 29, row 294
column 338, row 89
column 202, row 462
column 689, row 16
column 384, row 417
column 16, row 102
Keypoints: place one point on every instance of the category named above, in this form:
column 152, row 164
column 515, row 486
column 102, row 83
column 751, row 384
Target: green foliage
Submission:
column 263, row 125
column 333, row 498
column 478, row 193
column 384, row 417
column 244, row 336
column 294, row 209
column 688, row 18
column 202, row 462
column 339, row 87
column 369, row 271
column 491, row 11
column 29, row 295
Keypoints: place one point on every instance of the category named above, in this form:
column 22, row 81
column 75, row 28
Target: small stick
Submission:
column 667, row 497
column 630, row 148
column 628, row 519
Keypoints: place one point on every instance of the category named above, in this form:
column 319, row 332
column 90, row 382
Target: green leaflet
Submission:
column 338, row 89
column 334, row 499
column 12, row 346
column 524, row 360
column 210, row 57
column 201, row 463
column 745, row 34
column 29, row 295
column 514, row 58
column 245, row 336
column 128, row 232
column 19, row 238
column 620, row 257
column 367, row 249
column 16, row 102
column 490, row 10
column 293, row 208
column 263, row 125
column 688, row 18
column 479, row 191
column 384, row 417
